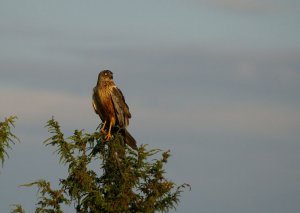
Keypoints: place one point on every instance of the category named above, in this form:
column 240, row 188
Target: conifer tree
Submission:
column 7, row 138
column 124, row 180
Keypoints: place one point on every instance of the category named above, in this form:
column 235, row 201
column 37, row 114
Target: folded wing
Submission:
column 120, row 106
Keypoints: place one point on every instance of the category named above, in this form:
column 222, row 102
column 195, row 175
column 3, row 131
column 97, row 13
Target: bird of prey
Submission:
column 109, row 103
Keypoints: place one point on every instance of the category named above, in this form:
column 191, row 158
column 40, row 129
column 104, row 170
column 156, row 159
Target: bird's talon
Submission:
column 102, row 130
column 108, row 137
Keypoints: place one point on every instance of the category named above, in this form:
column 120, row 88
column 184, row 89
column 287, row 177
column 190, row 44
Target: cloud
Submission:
column 240, row 117
column 247, row 6
column 37, row 106
column 185, row 75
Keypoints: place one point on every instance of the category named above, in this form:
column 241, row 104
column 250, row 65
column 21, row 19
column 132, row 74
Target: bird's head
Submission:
column 105, row 75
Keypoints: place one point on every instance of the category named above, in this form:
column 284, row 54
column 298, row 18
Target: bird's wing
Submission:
column 97, row 103
column 120, row 106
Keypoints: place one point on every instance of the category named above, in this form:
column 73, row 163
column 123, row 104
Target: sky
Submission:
column 215, row 81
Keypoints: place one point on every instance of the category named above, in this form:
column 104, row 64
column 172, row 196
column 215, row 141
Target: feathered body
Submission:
column 109, row 103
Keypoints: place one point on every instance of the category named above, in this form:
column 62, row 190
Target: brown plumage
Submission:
column 109, row 103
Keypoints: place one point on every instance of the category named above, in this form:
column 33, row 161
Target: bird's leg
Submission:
column 108, row 136
column 102, row 128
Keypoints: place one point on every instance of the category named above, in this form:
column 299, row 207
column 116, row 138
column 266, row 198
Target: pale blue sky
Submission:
column 215, row 81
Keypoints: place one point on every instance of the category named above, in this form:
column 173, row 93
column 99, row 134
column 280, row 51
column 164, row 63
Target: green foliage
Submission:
column 17, row 209
column 6, row 137
column 50, row 200
column 124, row 180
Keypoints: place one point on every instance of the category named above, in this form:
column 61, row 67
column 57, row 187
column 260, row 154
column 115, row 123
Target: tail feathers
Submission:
column 129, row 140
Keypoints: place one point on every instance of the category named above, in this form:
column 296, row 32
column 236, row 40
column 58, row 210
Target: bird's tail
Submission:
column 129, row 140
